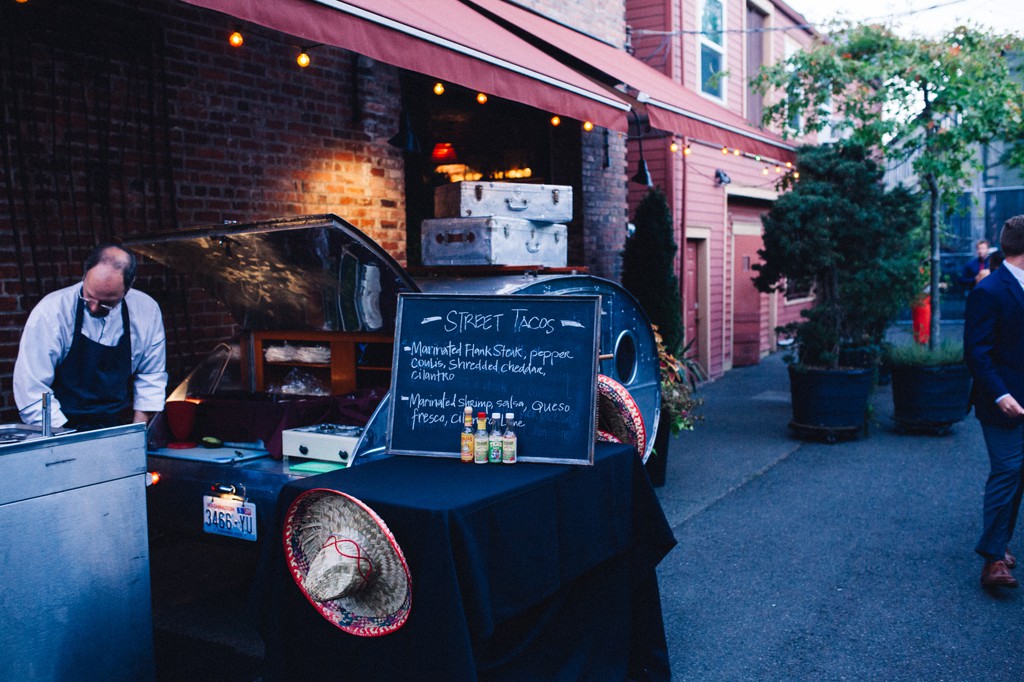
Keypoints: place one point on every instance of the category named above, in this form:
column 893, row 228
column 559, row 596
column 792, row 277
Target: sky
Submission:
column 928, row 18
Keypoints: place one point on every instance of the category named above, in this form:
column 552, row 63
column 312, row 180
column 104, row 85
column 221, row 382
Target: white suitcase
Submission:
column 493, row 240
column 543, row 203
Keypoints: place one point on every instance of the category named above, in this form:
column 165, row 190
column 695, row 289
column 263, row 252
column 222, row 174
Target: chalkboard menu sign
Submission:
column 533, row 356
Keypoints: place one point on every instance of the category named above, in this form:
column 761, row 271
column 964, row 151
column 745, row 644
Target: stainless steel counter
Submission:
column 74, row 557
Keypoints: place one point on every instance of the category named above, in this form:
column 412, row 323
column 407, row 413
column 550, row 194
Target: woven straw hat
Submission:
column 347, row 563
column 618, row 416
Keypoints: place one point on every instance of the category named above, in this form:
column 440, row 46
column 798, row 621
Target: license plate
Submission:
column 229, row 517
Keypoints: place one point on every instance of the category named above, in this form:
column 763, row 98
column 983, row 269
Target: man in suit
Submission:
column 994, row 351
column 978, row 268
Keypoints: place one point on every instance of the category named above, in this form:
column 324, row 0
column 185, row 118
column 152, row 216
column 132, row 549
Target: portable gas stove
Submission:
column 327, row 442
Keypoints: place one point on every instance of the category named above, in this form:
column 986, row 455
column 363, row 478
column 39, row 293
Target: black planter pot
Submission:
column 657, row 462
column 930, row 398
column 830, row 403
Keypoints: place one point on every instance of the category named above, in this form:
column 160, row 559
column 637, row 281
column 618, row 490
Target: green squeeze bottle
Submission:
column 494, row 440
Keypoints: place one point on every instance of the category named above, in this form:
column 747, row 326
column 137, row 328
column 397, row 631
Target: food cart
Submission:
column 303, row 390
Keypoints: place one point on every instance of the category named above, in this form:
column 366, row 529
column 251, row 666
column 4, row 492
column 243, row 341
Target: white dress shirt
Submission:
column 46, row 340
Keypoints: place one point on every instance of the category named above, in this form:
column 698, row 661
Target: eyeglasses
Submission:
column 92, row 301
column 104, row 306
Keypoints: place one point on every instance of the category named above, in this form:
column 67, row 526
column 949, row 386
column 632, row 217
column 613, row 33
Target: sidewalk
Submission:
column 808, row 561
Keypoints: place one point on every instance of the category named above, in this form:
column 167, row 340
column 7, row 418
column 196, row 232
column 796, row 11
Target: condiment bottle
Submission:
column 466, row 451
column 495, row 441
column 481, row 441
column 509, row 442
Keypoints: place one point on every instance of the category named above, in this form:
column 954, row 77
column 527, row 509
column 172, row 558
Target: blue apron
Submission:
column 93, row 383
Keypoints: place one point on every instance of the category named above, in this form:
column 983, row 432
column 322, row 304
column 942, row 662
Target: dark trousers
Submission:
column 1003, row 488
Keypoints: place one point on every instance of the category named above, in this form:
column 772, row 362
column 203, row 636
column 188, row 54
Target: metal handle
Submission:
column 455, row 237
column 521, row 205
column 47, row 428
column 533, row 244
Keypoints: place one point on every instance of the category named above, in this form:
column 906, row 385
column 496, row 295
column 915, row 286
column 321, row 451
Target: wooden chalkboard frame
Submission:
column 570, row 383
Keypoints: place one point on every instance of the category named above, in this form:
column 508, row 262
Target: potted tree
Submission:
column 931, row 387
column 839, row 229
column 648, row 273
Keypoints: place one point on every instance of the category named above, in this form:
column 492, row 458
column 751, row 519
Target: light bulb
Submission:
column 556, row 121
column 439, row 88
column 736, row 152
column 588, row 126
column 236, row 39
column 725, row 150
column 687, row 150
column 302, row 60
column 481, row 98
column 673, row 147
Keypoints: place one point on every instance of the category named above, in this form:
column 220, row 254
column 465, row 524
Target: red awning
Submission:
column 670, row 106
column 441, row 38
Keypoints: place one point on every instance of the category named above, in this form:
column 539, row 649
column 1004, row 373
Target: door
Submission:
column 746, row 339
column 692, row 313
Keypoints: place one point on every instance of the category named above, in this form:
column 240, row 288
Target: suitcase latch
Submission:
column 478, row 190
column 554, row 196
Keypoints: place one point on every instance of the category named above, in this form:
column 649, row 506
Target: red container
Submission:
column 921, row 314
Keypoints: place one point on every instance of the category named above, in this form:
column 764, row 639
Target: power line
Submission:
column 791, row 27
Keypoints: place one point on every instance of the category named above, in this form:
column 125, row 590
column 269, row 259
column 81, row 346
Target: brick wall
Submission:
column 604, row 210
column 124, row 118
column 602, row 19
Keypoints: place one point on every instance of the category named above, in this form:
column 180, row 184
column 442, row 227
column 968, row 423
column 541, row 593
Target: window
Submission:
column 756, row 23
column 792, row 47
column 712, row 49
column 799, row 290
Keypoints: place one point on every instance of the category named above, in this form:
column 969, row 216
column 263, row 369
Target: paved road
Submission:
column 808, row 561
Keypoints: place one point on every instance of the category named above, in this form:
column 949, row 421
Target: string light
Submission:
column 725, row 150
column 235, row 39
column 736, row 152
column 673, row 146
column 303, row 59
column 556, row 121
column 481, row 98
column 764, row 171
column 789, row 164
column 588, row 126
column 439, row 88
column 778, row 169
column 686, row 150
column 796, row 175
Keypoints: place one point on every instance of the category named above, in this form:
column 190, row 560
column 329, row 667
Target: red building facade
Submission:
column 719, row 192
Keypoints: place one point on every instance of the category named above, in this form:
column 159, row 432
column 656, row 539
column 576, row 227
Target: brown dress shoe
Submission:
column 996, row 574
column 1010, row 560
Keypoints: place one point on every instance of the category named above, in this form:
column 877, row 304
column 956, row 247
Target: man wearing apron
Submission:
column 98, row 346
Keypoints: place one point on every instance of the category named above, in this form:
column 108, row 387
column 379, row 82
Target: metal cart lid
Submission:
column 317, row 272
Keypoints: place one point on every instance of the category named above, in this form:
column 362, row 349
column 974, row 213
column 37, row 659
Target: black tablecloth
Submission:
column 531, row 571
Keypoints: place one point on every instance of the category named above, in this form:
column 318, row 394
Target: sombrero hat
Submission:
column 347, row 563
column 619, row 419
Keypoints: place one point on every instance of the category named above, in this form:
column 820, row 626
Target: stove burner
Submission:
column 337, row 429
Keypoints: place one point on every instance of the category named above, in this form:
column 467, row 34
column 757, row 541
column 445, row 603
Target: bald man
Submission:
column 98, row 345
